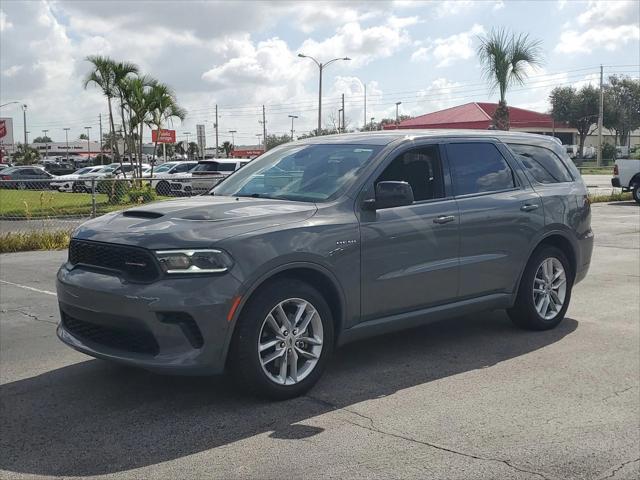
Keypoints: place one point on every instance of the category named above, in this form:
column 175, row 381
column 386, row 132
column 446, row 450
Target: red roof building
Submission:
column 477, row 116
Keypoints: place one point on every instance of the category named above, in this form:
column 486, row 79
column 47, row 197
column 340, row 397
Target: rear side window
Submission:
column 544, row 165
column 478, row 168
column 215, row 167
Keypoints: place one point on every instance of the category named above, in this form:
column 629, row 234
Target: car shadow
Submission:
column 631, row 203
column 95, row 418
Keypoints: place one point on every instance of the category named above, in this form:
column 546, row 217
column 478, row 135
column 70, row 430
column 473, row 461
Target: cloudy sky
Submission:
column 243, row 54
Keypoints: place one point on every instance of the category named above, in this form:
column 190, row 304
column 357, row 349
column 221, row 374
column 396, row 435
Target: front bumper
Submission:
column 174, row 325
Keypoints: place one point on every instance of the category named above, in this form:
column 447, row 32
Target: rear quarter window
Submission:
column 543, row 165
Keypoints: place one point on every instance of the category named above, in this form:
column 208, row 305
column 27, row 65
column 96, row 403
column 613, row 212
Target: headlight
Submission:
column 194, row 261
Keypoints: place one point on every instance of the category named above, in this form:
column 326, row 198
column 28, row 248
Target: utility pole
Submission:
column 600, row 119
column 46, row 144
column 339, row 120
column 24, row 120
column 216, row 125
column 292, row 117
column 66, row 136
column 372, row 119
column 100, row 120
column 364, row 124
column 344, row 129
column 88, row 144
column 397, row 117
column 264, row 127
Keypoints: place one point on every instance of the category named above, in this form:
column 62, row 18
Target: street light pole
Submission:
column 372, row 119
column 46, row 144
column 397, row 118
column 88, row 144
column 233, row 139
column 24, row 120
column 66, row 136
column 321, row 67
column 187, row 135
column 292, row 117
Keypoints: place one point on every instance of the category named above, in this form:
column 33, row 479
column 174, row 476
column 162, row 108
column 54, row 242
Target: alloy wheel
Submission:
column 290, row 341
column 549, row 288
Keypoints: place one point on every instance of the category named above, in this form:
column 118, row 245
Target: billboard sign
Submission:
column 247, row 153
column 6, row 131
column 200, row 138
column 166, row 136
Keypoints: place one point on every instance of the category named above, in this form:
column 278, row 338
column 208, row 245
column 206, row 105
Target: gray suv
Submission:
column 328, row 240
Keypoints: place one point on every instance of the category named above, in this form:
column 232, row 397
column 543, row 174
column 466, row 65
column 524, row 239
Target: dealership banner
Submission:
column 6, row 131
column 166, row 136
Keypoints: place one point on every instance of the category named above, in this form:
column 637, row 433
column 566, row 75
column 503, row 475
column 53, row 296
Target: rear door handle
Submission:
column 529, row 207
column 444, row 219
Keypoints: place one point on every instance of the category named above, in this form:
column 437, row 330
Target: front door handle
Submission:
column 444, row 219
column 529, row 207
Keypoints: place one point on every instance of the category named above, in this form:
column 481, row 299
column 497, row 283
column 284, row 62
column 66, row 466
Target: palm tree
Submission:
column 137, row 99
column 121, row 72
column 164, row 108
column 103, row 76
column 504, row 57
column 228, row 148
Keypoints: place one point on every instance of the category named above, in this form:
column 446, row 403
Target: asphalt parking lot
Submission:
column 471, row 398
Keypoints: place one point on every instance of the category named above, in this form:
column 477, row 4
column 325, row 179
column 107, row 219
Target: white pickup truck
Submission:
column 626, row 174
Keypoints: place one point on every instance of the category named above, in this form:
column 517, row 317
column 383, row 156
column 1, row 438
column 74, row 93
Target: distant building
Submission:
column 77, row 149
column 478, row 116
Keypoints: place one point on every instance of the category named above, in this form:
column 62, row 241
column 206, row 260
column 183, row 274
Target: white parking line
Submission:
column 46, row 292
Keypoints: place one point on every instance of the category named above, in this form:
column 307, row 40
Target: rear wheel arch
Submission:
column 564, row 244
column 635, row 181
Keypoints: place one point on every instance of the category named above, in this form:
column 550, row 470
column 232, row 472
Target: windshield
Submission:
column 308, row 173
column 214, row 167
column 106, row 170
column 164, row 168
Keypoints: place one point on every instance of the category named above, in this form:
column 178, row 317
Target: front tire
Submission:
column 162, row 188
column 545, row 290
column 283, row 340
column 636, row 193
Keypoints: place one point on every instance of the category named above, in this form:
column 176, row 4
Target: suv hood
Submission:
column 197, row 222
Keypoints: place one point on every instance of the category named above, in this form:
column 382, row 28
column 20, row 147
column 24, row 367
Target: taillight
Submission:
column 5, row 177
column 615, row 170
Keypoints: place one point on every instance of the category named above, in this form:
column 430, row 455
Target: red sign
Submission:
column 166, row 136
column 3, row 129
column 247, row 153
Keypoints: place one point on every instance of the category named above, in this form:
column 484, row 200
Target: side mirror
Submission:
column 392, row 194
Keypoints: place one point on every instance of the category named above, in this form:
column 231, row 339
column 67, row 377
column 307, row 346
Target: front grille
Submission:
column 128, row 340
column 133, row 263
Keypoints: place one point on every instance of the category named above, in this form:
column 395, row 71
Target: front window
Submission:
column 164, row 168
column 308, row 173
column 214, row 167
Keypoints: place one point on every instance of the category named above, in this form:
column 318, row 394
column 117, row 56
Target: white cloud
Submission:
column 499, row 5
column 446, row 51
column 12, row 70
column 453, row 7
column 609, row 13
column 361, row 44
column 4, row 23
column 609, row 38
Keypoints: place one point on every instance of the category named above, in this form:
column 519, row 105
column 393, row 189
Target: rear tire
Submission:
column 248, row 360
column 536, row 306
column 162, row 188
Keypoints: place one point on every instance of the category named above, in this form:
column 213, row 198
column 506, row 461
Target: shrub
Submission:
column 36, row 240
column 143, row 194
column 608, row 152
column 116, row 190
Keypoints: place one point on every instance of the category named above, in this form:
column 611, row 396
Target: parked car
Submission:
column 207, row 173
column 327, row 240
column 626, row 175
column 64, row 183
column 165, row 173
column 31, row 176
column 113, row 170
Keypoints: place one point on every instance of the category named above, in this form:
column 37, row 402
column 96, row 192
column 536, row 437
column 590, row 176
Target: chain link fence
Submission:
column 61, row 204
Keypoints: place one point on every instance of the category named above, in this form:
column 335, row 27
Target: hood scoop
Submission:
column 141, row 214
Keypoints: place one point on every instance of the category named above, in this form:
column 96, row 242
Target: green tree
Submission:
column 192, row 150
column 136, row 96
column 579, row 108
column 83, row 136
column 227, row 147
column 622, row 107
column 24, row 156
column 275, row 140
column 43, row 139
column 163, row 109
column 122, row 72
column 504, row 57
column 102, row 75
